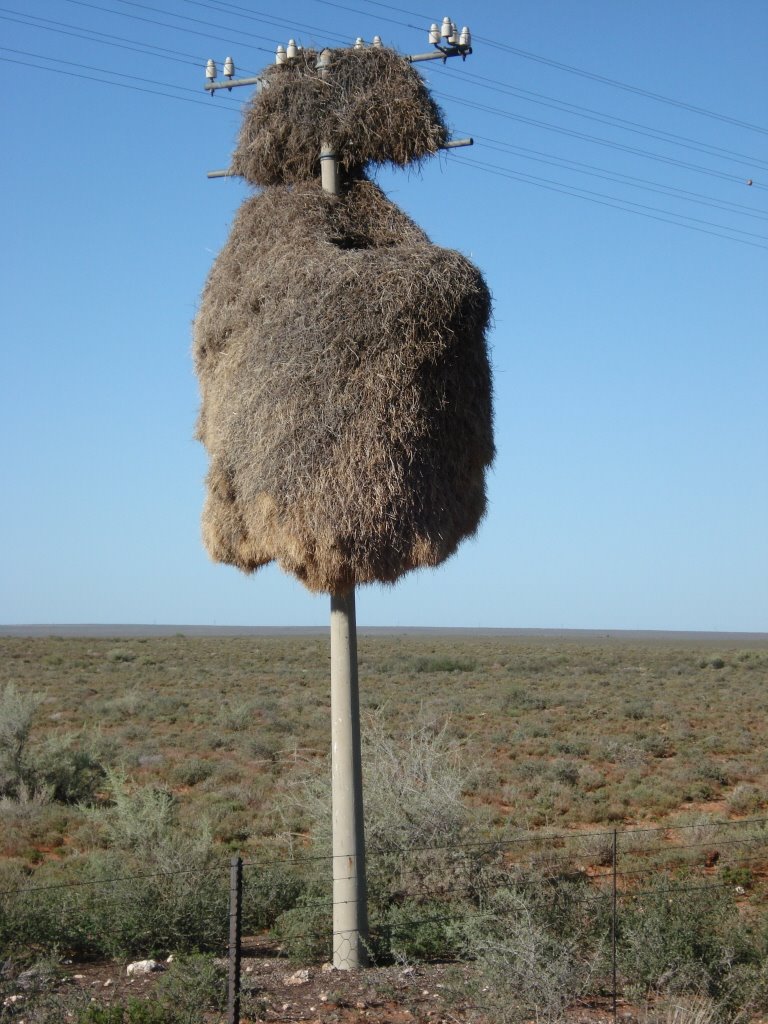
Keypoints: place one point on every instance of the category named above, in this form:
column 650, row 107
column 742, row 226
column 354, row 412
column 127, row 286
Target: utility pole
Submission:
column 350, row 906
column 350, row 897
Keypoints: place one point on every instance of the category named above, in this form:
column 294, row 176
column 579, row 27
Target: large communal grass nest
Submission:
column 346, row 389
column 371, row 105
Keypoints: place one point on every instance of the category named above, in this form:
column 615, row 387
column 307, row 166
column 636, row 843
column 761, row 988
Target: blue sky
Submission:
column 630, row 488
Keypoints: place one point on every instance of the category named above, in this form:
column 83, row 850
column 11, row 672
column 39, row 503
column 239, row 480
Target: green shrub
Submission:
column 135, row 1011
column 416, row 825
column 70, row 770
column 745, row 799
column 268, row 892
column 306, row 930
column 192, row 771
column 445, row 664
column 121, row 654
column 738, row 876
column 156, row 889
column 421, row 930
column 681, row 938
column 17, row 713
column 193, row 986
column 534, row 952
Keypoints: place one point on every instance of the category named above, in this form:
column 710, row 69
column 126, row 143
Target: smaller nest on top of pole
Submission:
column 370, row 106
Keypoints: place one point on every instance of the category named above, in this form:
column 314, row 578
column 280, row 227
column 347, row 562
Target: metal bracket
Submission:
column 450, row 144
column 233, row 83
column 442, row 53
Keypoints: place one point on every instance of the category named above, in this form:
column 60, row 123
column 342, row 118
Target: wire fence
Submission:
column 420, row 897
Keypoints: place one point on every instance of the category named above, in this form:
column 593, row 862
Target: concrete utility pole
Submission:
column 350, row 893
column 350, row 910
column 350, row 896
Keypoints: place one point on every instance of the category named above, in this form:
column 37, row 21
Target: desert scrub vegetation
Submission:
column 159, row 758
column 559, row 733
column 418, row 827
column 190, row 990
column 143, row 887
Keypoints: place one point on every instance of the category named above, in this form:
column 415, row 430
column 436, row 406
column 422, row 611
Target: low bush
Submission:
column 533, row 955
column 679, row 938
column 186, row 993
column 70, row 770
column 17, row 713
column 445, row 664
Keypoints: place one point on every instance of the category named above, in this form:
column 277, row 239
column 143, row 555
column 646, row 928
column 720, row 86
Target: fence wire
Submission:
column 486, row 878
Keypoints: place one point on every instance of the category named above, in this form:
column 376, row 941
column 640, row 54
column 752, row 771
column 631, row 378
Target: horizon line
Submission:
column 149, row 630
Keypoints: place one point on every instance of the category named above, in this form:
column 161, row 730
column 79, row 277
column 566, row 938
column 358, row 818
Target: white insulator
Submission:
column 446, row 28
column 434, row 34
column 377, row 42
column 359, row 43
column 229, row 67
column 280, row 55
column 210, row 70
column 465, row 39
column 292, row 48
column 453, row 39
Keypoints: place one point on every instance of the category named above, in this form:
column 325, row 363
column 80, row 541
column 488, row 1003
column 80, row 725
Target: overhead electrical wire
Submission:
column 251, row 15
column 625, row 179
column 667, row 216
column 595, row 139
column 264, row 19
column 609, row 119
column 647, row 154
column 106, row 81
column 107, row 71
column 365, row 14
column 176, row 28
column 226, row 7
column 570, row 68
column 624, row 85
column 615, row 202
column 91, row 35
column 223, row 6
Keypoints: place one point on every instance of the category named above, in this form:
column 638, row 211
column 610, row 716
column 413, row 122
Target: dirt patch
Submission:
column 278, row 991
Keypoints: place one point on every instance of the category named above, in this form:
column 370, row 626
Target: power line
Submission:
column 610, row 200
column 586, row 112
column 251, row 15
column 390, row 7
column 598, row 140
column 609, row 119
column 262, row 18
column 527, row 54
column 90, row 35
column 176, row 28
column 623, row 85
column 365, row 14
column 623, row 179
column 603, row 199
column 106, row 71
column 106, row 81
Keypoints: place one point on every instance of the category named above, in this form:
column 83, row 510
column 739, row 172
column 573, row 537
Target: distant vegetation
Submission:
column 161, row 757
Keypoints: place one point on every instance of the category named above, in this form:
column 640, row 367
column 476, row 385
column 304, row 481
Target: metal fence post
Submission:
column 235, row 929
column 614, row 901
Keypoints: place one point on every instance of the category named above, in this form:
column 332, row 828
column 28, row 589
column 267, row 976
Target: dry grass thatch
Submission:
column 371, row 105
column 346, row 391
